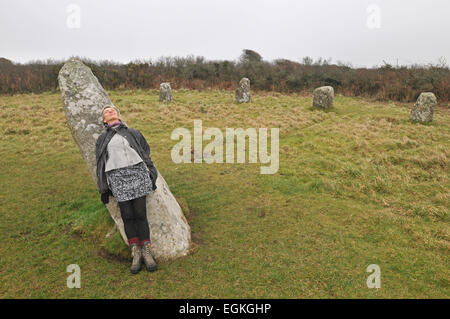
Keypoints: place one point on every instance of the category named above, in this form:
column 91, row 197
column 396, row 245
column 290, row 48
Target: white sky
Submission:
column 413, row 31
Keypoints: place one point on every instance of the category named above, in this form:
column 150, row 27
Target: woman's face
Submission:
column 110, row 114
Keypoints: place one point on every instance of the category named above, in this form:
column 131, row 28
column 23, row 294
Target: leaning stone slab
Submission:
column 243, row 91
column 323, row 97
column 423, row 109
column 83, row 99
column 165, row 92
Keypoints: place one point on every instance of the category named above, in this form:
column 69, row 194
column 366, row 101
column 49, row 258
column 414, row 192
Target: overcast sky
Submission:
column 361, row 32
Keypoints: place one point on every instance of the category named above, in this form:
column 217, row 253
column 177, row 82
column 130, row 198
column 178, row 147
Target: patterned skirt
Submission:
column 129, row 182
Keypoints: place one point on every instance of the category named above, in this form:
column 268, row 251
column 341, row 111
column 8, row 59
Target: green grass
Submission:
column 357, row 185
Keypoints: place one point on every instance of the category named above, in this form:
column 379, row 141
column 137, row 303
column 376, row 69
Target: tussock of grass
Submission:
column 358, row 184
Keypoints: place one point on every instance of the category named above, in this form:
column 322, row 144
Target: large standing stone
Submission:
column 323, row 97
column 165, row 92
column 83, row 99
column 243, row 91
column 424, row 108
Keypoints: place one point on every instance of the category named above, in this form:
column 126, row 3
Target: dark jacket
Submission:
column 137, row 142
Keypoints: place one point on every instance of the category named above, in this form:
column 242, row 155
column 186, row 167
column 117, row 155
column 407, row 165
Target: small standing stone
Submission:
column 424, row 108
column 323, row 97
column 165, row 92
column 243, row 91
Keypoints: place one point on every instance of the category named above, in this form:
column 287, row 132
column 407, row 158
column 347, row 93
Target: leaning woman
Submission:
column 126, row 171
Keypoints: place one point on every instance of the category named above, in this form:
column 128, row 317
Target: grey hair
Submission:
column 113, row 107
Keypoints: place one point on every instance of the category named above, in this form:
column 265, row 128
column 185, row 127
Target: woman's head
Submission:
column 110, row 114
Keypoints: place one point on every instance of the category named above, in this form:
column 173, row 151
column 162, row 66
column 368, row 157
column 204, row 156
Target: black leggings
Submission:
column 134, row 216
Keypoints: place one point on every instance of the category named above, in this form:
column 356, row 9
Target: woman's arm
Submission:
column 100, row 173
column 97, row 147
column 146, row 148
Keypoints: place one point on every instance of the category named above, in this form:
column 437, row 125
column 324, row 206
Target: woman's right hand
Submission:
column 105, row 196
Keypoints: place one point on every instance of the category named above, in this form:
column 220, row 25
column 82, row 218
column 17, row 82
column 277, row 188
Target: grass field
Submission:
column 357, row 185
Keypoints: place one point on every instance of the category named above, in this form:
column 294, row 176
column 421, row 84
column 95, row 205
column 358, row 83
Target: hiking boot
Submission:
column 149, row 262
column 136, row 253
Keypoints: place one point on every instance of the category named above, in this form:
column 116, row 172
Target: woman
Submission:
column 125, row 171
